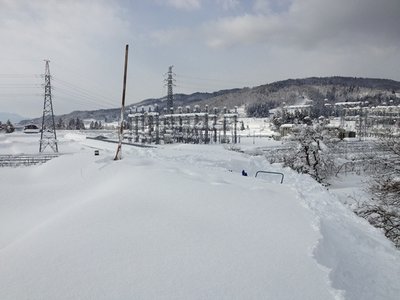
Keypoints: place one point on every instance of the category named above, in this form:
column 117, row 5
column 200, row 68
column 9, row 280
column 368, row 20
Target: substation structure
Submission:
column 184, row 125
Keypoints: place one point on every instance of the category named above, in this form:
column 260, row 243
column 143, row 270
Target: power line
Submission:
column 19, row 76
column 74, row 96
column 85, row 92
column 75, row 92
column 26, row 86
column 18, row 94
column 212, row 79
column 83, row 78
column 77, row 101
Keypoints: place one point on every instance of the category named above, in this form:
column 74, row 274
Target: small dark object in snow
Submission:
column 244, row 173
column 96, row 152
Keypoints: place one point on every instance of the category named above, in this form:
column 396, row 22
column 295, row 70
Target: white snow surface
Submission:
column 179, row 222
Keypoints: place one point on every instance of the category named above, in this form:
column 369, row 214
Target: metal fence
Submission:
column 10, row 160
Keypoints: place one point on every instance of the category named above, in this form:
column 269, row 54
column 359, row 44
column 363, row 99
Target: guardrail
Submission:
column 268, row 172
column 9, row 160
column 116, row 142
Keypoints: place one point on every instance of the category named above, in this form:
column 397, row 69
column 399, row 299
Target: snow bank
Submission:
column 74, row 136
column 180, row 222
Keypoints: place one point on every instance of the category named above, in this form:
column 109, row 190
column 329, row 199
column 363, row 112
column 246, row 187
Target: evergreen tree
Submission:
column 260, row 109
column 71, row 124
column 60, row 124
column 79, row 125
column 9, row 127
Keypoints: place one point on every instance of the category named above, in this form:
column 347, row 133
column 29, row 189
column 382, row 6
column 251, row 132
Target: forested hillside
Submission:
column 264, row 97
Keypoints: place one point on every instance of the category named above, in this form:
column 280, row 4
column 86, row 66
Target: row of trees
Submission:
column 73, row 124
column 285, row 117
column 260, row 109
column 96, row 125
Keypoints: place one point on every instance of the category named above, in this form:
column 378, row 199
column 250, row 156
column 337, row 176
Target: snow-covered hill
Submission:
column 179, row 222
column 4, row 116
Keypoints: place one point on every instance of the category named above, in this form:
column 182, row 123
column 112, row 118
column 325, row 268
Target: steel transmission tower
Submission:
column 170, row 84
column 48, row 135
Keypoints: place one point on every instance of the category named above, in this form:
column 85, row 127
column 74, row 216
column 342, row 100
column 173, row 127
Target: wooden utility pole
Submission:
column 118, row 155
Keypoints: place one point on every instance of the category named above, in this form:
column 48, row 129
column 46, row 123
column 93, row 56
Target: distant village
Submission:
column 344, row 119
column 196, row 125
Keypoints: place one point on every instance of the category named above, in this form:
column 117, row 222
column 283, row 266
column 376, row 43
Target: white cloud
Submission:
column 242, row 30
column 170, row 36
column 228, row 4
column 262, row 6
column 271, row 6
column 61, row 24
column 311, row 23
column 269, row 40
column 79, row 37
column 185, row 4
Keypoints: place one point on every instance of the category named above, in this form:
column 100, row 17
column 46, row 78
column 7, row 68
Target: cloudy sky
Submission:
column 213, row 45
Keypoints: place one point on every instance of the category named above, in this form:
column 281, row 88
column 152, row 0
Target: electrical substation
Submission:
column 182, row 125
column 185, row 125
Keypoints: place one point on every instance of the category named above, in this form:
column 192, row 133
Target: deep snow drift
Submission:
column 179, row 222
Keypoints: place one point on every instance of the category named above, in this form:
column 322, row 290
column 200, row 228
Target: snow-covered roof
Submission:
column 287, row 126
column 332, row 126
column 382, row 108
column 348, row 103
column 290, row 107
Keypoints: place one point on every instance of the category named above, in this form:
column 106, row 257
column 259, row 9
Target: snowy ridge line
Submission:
column 350, row 275
column 341, row 231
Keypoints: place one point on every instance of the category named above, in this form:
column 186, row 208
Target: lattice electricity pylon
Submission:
column 170, row 84
column 48, row 135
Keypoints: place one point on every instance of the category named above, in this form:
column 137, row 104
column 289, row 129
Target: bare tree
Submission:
column 383, row 209
column 312, row 155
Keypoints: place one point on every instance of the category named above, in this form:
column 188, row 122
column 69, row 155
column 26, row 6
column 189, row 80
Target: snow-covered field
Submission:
column 179, row 222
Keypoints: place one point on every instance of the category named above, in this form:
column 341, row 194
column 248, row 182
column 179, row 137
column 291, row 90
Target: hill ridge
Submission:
column 333, row 88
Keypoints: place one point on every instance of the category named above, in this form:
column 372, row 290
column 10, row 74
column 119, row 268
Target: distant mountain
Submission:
column 292, row 91
column 14, row 118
